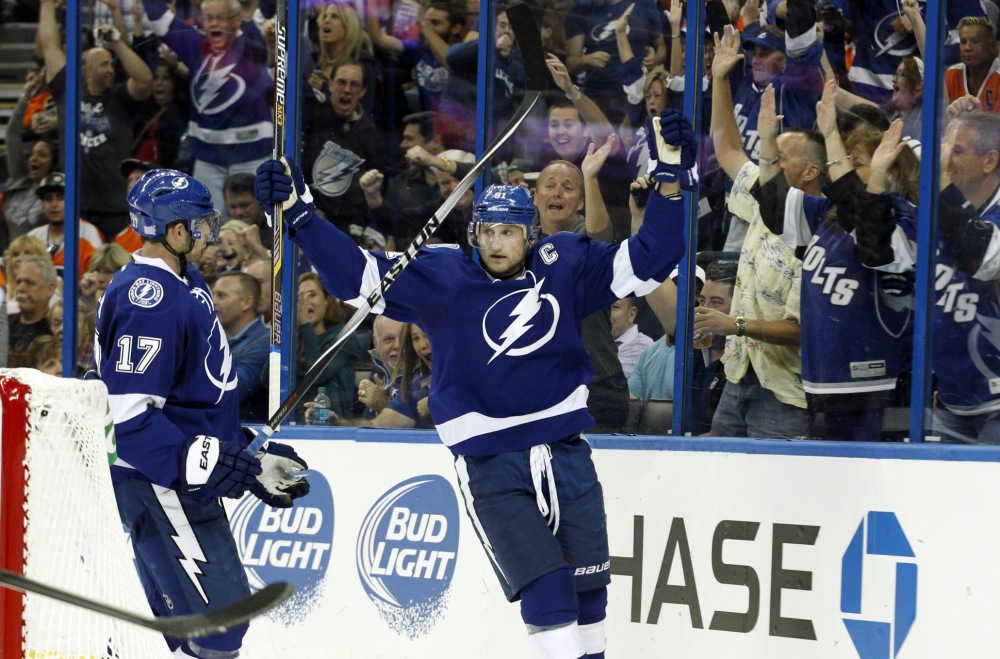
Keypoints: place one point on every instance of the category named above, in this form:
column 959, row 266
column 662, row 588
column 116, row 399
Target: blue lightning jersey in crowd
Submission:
column 856, row 329
column 966, row 313
column 878, row 47
column 796, row 92
column 165, row 359
column 231, row 92
column 510, row 370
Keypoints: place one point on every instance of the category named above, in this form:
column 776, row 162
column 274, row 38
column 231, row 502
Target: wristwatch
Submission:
column 741, row 326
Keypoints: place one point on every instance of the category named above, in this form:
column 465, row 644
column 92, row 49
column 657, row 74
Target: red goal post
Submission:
column 60, row 523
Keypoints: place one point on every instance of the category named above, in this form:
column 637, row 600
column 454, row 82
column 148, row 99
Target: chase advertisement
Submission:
column 713, row 554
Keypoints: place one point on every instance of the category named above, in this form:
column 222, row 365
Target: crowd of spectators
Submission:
column 808, row 165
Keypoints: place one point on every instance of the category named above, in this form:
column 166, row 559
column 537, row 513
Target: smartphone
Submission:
column 641, row 195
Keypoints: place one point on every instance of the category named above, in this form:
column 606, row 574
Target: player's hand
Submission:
column 279, row 484
column 281, row 182
column 214, row 468
column 672, row 149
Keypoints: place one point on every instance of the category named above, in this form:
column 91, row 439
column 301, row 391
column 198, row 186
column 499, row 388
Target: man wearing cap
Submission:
column 51, row 190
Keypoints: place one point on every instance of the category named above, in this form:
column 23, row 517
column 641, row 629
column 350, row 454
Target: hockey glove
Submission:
column 672, row 149
column 278, row 485
column 280, row 183
column 219, row 469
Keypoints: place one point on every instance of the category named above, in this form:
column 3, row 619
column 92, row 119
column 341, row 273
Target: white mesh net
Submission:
column 73, row 536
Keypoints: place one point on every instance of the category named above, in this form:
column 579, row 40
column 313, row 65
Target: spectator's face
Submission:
column 56, row 321
column 905, row 90
column 411, row 137
column 421, row 345
column 966, row 167
column 766, row 65
column 622, row 317
column 792, row 162
column 447, row 184
column 656, row 99
column 40, row 161
column 31, row 289
column 260, row 271
column 53, row 207
column 220, row 24
column 386, row 340
column 230, row 245
column 502, row 248
column 98, row 70
column 437, row 19
column 558, row 196
column 976, row 47
column 862, row 163
column 503, row 29
column 312, row 303
column 52, row 365
column 242, row 206
column 718, row 295
column 567, row 134
column 332, row 26
column 104, row 275
column 231, row 303
column 346, row 90
column 132, row 177
column 516, row 177
column 163, row 86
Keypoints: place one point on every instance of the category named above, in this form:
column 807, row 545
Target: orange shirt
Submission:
column 956, row 82
column 129, row 239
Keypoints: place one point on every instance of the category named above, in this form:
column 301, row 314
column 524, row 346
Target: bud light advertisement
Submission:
column 290, row 544
column 407, row 548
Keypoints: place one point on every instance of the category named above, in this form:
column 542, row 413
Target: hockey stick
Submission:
column 190, row 626
column 277, row 287
column 530, row 44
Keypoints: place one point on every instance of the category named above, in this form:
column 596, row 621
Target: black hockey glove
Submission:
column 280, row 182
column 218, row 469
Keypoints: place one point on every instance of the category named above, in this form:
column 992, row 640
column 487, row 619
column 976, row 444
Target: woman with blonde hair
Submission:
column 341, row 38
column 106, row 260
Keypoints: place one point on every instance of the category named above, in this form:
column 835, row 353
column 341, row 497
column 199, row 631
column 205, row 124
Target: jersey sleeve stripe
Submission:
column 370, row 278
column 125, row 407
column 624, row 280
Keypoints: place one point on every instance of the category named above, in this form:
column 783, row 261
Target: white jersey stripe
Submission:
column 128, row 406
column 369, row 282
column 624, row 281
column 462, row 470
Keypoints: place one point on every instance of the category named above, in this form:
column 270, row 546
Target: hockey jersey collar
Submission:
column 156, row 263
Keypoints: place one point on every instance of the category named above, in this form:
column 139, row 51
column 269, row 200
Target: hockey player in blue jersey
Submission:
column 509, row 392
column 163, row 355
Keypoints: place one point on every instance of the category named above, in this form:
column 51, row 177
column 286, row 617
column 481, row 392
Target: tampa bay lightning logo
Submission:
column 288, row 544
column 521, row 322
column 334, row 170
column 179, row 182
column 145, row 293
column 219, row 361
column 216, row 87
column 887, row 41
column 407, row 549
column 604, row 32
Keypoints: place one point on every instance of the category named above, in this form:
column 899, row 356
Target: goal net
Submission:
column 60, row 526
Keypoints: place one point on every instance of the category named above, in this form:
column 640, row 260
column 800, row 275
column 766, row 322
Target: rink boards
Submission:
column 719, row 548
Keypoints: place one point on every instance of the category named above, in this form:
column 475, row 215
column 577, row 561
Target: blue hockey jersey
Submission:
column 510, row 370
column 164, row 357
column 231, row 93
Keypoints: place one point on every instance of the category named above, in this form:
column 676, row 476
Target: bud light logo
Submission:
column 407, row 549
column 289, row 544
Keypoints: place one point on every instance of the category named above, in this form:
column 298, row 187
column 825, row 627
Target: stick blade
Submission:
column 237, row 613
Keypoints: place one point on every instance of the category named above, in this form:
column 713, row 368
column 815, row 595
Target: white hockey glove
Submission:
column 278, row 484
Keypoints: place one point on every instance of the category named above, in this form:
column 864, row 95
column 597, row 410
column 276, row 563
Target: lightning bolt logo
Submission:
column 191, row 553
column 524, row 312
column 211, row 81
column 603, row 33
column 334, row 169
column 145, row 293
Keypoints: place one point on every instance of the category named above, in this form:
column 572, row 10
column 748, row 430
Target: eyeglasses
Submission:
column 213, row 18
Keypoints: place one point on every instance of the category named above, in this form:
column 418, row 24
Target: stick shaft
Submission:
column 277, row 287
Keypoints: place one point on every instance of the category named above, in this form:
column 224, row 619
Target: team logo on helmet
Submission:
column 288, row 544
column 180, row 182
column 406, row 553
column 145, row 293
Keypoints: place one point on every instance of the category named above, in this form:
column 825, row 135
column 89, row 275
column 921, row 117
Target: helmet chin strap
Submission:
column 181, row 256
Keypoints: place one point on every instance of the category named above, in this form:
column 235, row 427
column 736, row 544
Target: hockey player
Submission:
column 509, row 392
column 163, row 355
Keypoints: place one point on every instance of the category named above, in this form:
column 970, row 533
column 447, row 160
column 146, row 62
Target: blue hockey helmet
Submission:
column 162, row 197
column 504, row 204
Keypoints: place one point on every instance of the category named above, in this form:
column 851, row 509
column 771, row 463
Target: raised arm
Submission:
column 140, row 78
column 595, row 211
column 912, row 12
column 49, row 40
column 768, row 124
column 725, row 133
column 598, row 124
column 839, row 161
column 380, row 39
